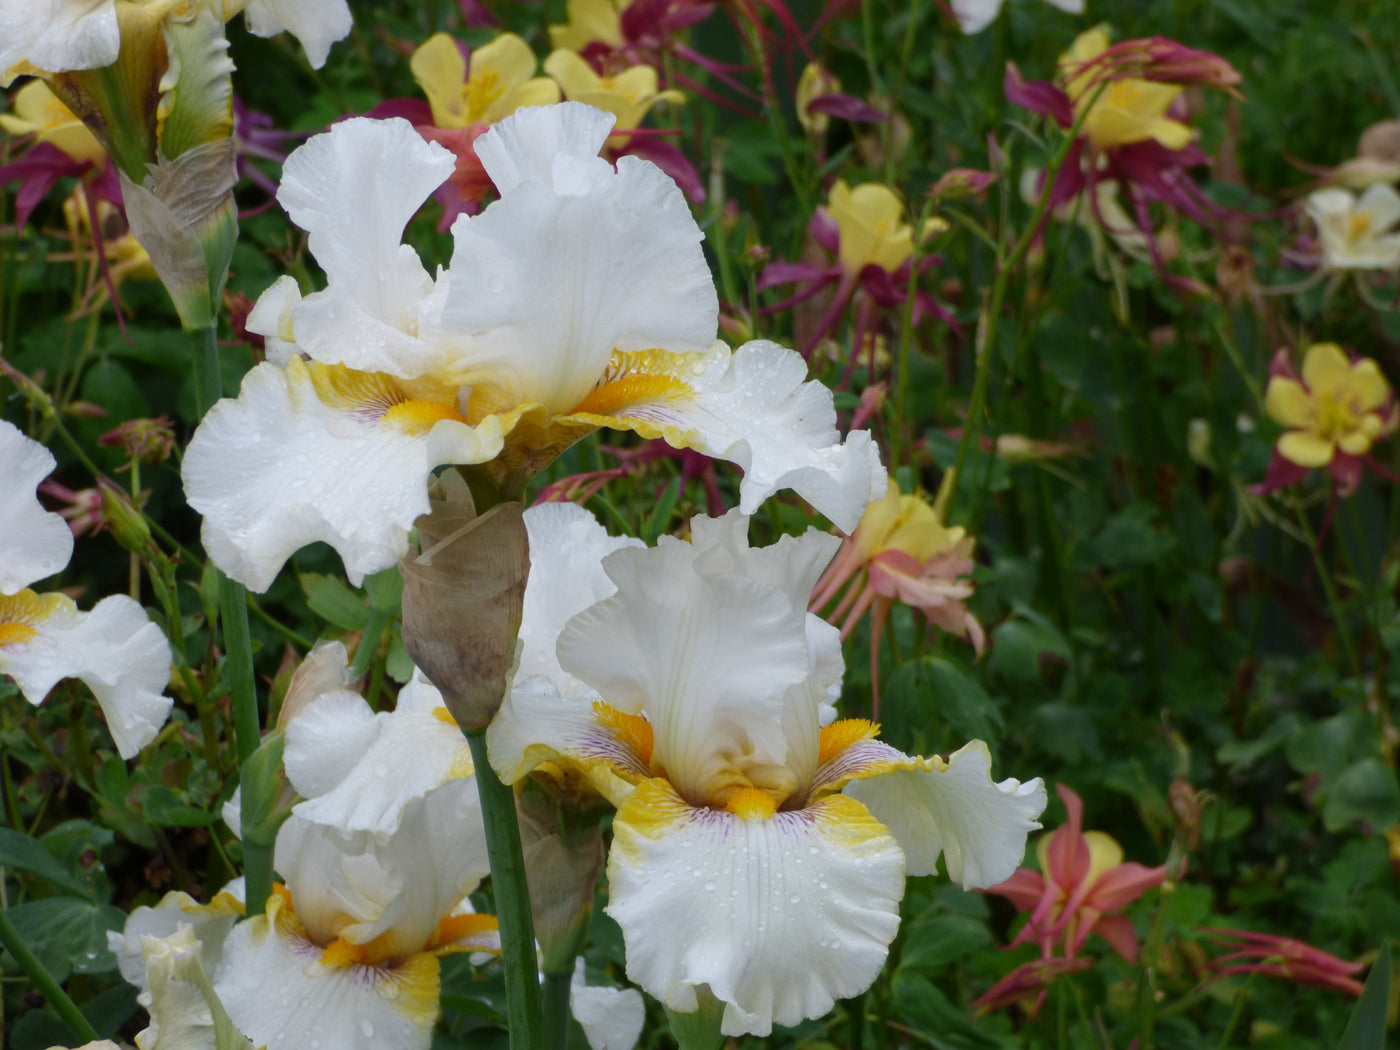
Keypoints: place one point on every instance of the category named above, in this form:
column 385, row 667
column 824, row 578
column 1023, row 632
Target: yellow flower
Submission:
column 38, row 110
column 870, row 222
column 1337, row 405
column 590, row 21
column 499, row 81
column 628, row 96
column 814, row 82
column 1129, row 110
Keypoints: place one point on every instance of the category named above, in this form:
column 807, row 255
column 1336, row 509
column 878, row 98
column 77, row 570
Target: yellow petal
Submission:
column 1368, row 385
column 574, row 75
column 1325, row 367
column 1104, row 853
column 442, row 72
column 1306, row 449
column 509, row 57
column 1288, row 403
column 1355, row 442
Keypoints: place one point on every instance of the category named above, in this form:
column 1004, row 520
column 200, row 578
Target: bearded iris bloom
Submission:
column 115, row 649
column 581, row 299
column 760, row 848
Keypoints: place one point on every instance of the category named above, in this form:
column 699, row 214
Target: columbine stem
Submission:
column 238, row 646
column 43, row 980
column 512, row 896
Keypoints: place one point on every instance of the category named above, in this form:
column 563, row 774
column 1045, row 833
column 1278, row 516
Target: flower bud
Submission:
column 462, row 601
column 127, row 523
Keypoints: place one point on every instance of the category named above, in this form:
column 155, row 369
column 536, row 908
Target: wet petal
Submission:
column 34, row 543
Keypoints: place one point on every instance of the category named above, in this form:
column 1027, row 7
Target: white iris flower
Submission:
column 581, row 299
column 44, row 638
column 760, row 848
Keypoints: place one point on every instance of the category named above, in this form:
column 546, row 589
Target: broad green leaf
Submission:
column 1366, row 1028
column 1367, row 792
column 943, row 939
column 334, row 601
column 164, row 808
column 27, row 854
column 68, row 935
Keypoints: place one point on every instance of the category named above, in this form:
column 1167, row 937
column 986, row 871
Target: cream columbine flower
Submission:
column 115, row 649
column 1357, row 233
column 738, row 864
column 581, row 299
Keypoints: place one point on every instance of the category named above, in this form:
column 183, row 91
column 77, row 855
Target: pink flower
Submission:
column 1082, row 881
column 1282, row 957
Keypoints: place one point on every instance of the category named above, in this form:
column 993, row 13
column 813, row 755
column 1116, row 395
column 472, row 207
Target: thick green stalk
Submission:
column 43, row 980
column 238, row 646
column 555, row 1029
column 512, row 896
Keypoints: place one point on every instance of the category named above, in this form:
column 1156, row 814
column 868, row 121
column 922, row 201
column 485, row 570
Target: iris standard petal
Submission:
column 316, row 23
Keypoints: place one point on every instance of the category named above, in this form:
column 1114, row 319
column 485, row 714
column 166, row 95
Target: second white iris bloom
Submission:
column 581, row 299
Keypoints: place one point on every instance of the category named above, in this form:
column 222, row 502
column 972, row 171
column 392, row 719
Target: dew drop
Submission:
column 795, row 899
column 366, row 1028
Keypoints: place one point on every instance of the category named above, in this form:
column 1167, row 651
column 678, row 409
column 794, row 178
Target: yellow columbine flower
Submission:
column 1129, row 110
column 499, row 80
column 870, row 221
column 590, row 22
column 38, row 110
column 628, row 96
column 1337, row 406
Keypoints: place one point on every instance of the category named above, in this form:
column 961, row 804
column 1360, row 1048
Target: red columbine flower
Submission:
column 1082, row 881
column 1284, row 957
column 1132, row 132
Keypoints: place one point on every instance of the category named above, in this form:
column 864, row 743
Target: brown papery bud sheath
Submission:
column 462, row 601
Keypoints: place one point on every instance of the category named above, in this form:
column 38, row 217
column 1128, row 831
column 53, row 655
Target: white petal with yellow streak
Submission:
column 115, row 649
column 358, row 770
column 955, row 809
column 34, row 542
column 186, row 1014
column 278, row 468
column 754, row 407
column 779, row 917
column 573, row 262
column 279, row 993
column 210, row 922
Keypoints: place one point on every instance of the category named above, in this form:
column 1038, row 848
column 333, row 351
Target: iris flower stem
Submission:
column 555, row 1030
column 44, row 981
column 985, row 342
column 238, row 647
column 512, row 896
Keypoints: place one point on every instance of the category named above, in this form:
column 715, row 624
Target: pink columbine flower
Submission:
column 1284, row 957
column 1083, row 881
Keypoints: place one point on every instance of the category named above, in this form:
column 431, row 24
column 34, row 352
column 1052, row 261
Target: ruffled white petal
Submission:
column 316, row 23
column 58, row 35
column 271, row 318
column 278, row 468
column 278, row 992
column 611, row 1018
column 116, row 650
column 956, row 809
column 976, row 15
column 185, row 1012
column 210, row 922
column 358, row 770
column 779, row 917
column 34, row 542
column 522, row 149
column 551, row 279
column 354, row 190
column 393, row 890
column 567, row 547
column 708, row 656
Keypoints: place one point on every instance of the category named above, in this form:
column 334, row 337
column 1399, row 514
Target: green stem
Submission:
column 238, row 647
column 1334, row 604
column 512, row 896
column 555, row 1028
column 369, row 641
column 44, row 981
column 1238, row 1013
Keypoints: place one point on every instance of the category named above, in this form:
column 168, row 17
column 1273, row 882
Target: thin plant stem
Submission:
column 1237, row 1013
column 44, row 981
column 238, row 649
column 512, row 896
column 1334, row 604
